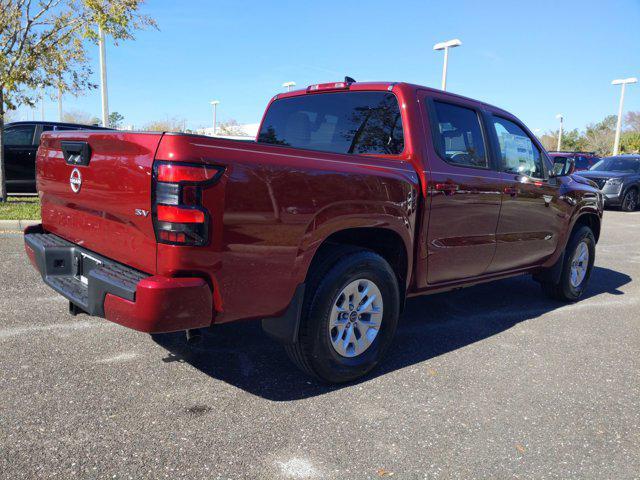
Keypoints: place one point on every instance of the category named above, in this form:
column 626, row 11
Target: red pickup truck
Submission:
column 353, row 197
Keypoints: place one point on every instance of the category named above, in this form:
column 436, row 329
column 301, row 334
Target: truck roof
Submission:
column 388, row 86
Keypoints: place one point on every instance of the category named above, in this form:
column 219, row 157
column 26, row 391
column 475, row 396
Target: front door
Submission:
column 463, row 191
column 532, row 213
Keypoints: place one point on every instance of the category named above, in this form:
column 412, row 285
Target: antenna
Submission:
column 349, row 80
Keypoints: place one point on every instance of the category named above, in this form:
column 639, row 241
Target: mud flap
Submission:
column 551, row 274
column 284, row 329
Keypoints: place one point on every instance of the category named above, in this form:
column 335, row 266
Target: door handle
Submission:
column 447, row 188
column 513, row 191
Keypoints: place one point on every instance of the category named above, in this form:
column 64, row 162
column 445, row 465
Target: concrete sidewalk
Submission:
column 16, row 225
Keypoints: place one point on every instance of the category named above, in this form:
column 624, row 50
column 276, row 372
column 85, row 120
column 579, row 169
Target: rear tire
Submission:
column 576, row 270
column 630, row 200
column 349, row 317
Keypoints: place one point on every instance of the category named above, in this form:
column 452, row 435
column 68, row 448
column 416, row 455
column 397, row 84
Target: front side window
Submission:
column 345, row 122
column 519, row 154
column 19, row 136
column 459, row 136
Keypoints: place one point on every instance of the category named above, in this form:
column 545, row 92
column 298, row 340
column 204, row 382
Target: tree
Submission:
column 10, row 116
column 600, row 136
column 549, row 140
column 231, row 128
column 82, row 118
column 43, row 46
column 167, row 125
column 115, row 120
column 630, row 142
column 632, row 121
column 572, row 141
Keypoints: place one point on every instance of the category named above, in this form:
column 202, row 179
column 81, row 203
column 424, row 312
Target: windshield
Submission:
column 618, row 164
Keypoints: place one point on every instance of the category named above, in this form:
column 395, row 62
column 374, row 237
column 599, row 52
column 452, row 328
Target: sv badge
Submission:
column 141, row 213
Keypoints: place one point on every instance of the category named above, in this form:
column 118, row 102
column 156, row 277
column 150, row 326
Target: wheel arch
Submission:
column 384, row 241
column 588, row 219
column 634, row 186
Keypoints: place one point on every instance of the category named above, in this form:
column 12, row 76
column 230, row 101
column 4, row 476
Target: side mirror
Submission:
column 563, row 166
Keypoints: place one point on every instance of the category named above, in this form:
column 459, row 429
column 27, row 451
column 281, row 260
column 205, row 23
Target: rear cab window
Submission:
column 342, row 122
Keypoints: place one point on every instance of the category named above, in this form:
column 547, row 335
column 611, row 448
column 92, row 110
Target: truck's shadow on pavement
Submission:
column 242, row 355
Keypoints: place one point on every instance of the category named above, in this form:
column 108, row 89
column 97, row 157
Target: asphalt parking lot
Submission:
column 493, row 381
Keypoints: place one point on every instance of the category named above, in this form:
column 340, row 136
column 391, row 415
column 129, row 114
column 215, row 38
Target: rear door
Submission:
column 532, row 214
column 20, row 156
column 100, row 200
column 463, row 190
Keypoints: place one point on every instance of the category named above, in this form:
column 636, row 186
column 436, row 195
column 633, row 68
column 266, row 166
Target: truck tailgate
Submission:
column 100, row 197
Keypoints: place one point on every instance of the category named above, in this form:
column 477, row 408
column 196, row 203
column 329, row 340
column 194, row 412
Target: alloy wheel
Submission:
column 579, row 264
column 356, row 317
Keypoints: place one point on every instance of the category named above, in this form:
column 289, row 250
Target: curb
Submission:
column 16, row 225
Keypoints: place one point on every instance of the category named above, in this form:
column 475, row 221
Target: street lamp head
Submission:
column 215, row 102
column 559, row 116
column 621, row 81
column 448, row 44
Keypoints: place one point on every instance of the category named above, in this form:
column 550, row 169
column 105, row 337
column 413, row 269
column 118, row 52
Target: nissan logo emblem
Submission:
column 75, row 180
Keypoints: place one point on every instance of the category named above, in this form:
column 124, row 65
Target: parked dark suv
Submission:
column 21, row 140
column 618, row 179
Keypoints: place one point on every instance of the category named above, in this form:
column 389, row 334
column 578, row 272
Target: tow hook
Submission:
column 75, row 310
column 194, row 336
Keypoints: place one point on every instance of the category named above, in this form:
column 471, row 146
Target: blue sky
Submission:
column 535, row 59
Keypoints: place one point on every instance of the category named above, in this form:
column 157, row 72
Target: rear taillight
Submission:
column 179, row 218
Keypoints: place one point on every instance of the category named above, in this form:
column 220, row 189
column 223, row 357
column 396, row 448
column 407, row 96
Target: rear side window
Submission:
column 345, row 122
column 459, row 136
column 19, row 136
column 519, row 154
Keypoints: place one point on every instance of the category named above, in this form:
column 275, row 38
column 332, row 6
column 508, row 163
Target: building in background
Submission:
column 247, row 131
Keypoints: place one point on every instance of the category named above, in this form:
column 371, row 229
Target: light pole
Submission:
column 103, row 78
column 288, row 85
column 42, row 107
column 446, row 46
column 623, row 82
column 214, row 104
column 59, row 104
column 561, row 118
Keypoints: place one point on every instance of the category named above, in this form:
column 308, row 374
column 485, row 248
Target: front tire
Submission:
column 349, row 318
column 576, row 270
column 630, row 200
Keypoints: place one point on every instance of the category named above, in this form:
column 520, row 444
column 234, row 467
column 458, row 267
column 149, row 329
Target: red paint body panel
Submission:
column 272, row 209
column 163, row 305
column 101, row 216
column 274, row 206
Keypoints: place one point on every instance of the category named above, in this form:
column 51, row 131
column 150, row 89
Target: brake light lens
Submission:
column 179, row 215
column 179, row 218
column 328, row 86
